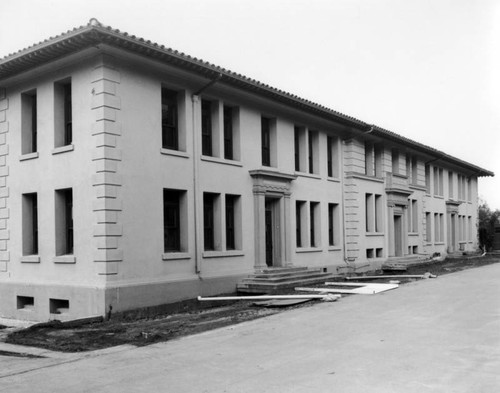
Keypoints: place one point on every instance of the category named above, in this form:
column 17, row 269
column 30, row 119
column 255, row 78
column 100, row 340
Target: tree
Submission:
column 486, row 225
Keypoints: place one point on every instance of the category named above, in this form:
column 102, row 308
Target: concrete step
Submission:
column 276, row 284
column 283, row 277
column 281, row 270
column 401, row 263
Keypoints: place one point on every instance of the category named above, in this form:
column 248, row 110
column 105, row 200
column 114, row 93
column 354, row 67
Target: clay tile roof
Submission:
column 94, row 33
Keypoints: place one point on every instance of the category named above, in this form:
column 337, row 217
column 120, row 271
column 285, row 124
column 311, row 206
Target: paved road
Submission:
column 437, row 335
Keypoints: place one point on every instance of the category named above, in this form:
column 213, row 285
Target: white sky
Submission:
column 426, row 69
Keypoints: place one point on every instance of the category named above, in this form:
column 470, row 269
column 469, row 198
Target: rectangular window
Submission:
column 228, row 133
column 414, row 208
column 450, row 184
column 436, row 228
column 172, row 220
column 369, row 213
column 296, row 144
column 469, row 225
column 231, row 201
column 169, row 119
column 373, row 213
column 379, row 156
column 369, row 159
column 333, row 220
column 395, row 161
column 414, row 170
column 441, row 227
column 266, row 141
column 208, row 221
column 63, row 115
column 300, row 148
column 206, row 128
column 332, row 156
column 314, row 223
column 469, row 190
column 427, row 178
column 29, row 122
column 428, row 227
column 378, row 213
column 64, row 221
column 30, row 224
column 438, row 181
column 412, row 216
column 408, row 167
column 312, row 154
column 211, row 221
column 299, row 222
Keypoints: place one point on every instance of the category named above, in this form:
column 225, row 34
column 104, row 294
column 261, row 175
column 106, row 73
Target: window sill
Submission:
column 172, row 256
column 334, row 179
column 30, row 259
column 174, row 153
column 439, row 243
column 223, row 161
column 438, row 196
column 334, row 248
column 308, row 249
column 63, row 149
column 64, row 259
column 415, row 234
column 29, row 156
column 308, row 175
column 381, row 234
column 222, row 254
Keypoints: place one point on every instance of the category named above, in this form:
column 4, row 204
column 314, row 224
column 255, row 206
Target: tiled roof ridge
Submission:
column 98, row 27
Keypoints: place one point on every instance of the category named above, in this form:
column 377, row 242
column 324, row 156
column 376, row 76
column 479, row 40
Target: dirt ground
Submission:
column 184, row 318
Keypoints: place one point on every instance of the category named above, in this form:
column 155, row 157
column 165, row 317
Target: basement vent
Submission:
column 58, row 306
column 25, row 303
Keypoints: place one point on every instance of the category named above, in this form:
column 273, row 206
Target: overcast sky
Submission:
column 426, row 69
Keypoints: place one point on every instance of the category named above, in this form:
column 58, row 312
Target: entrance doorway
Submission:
column 272, row 232
column 398, row 235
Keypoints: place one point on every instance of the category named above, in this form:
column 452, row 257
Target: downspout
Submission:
column 195, row 98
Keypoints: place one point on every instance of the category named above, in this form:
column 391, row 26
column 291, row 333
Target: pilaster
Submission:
column 107, row 157
column 4, row 189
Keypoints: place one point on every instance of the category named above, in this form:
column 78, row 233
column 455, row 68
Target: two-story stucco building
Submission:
column 132, row 175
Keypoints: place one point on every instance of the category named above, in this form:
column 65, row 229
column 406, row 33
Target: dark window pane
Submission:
column 170, row 137
column 208, row 221
column 228, row 133
column 266, row 150
column 206, row 128
column 230, row 243
column 171, row 220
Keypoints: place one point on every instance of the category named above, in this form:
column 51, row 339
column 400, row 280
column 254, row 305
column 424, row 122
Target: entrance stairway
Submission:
column 275, row 280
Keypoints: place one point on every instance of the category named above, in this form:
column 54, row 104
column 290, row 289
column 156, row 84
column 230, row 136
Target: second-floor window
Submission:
column 63, row 113
column 206, row 128
column 228, row 133
column 169, row 120
column 266, row 141
column 29, row 122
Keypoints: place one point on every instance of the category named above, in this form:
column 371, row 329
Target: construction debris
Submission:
column 390, row 276
column 325, row 297
column 281, row 302
column 358, row 288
